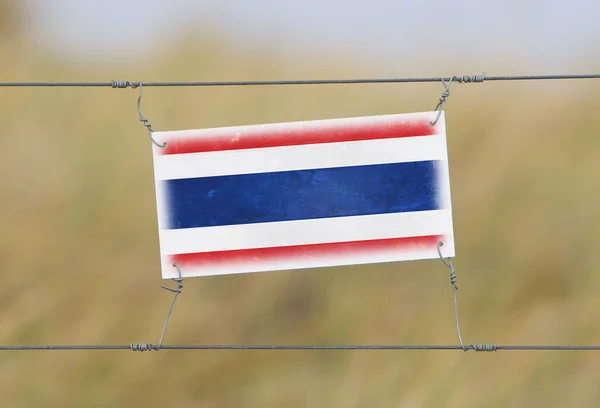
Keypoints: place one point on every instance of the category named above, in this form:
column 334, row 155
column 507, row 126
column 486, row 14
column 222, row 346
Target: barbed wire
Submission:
column 459, row 79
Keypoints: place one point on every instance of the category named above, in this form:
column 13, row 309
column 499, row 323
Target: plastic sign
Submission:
column 303, row 194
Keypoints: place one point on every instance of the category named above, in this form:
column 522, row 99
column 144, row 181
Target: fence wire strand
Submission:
column 153, row 347
column 460, row 79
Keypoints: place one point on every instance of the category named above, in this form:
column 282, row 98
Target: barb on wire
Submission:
column 142, row 118
column 460, row 79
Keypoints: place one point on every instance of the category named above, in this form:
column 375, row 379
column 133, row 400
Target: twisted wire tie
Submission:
column 124, row 84
column 476, row 347
column 465, row 79
column 469, row 79
column 483, row 347
column 142, row 347
column 147, row 347
column 445, row 94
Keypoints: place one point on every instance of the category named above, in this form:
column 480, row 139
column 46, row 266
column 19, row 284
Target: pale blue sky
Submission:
column 550, row 35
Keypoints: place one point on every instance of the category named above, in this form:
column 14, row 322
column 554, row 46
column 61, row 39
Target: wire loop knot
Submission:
column 143, row 119
column 445, row 95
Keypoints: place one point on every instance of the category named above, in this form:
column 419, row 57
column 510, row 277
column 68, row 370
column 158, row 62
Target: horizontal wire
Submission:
column 152, row 347
column 460, row 79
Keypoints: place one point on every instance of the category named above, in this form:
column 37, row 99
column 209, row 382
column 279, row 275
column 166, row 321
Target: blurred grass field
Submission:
column 79, row 245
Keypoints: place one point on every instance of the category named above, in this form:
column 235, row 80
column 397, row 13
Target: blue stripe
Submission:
column 302, row 194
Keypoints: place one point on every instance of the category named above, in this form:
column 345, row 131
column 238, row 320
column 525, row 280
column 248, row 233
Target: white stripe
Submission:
column 283, row 158
column 354, row 258
column 366, row 227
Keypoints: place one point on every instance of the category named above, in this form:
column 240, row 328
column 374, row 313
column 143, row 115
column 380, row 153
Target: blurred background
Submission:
column 78, row 233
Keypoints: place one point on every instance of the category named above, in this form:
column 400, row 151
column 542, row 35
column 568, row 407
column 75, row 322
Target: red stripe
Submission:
column 341, row 132
column 298, row 251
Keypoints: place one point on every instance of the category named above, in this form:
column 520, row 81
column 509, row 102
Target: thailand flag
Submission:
column 303, row 194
